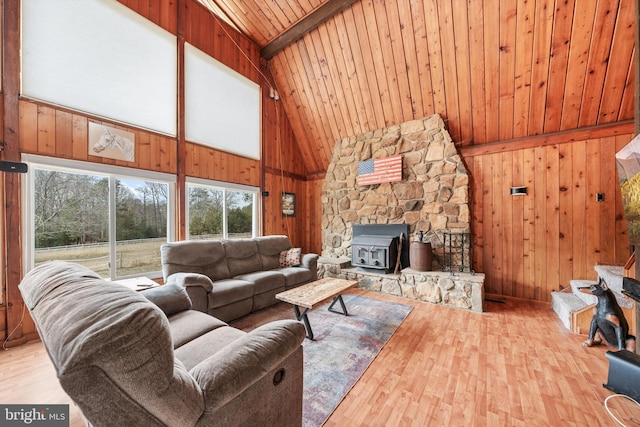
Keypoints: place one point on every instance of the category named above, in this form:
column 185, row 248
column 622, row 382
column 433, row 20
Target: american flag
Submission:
column 377, row 171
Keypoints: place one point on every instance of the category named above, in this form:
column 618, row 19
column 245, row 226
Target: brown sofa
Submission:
column 229, row 279
column 146, row 359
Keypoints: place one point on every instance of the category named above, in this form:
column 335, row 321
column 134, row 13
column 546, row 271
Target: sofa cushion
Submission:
column 242, row 256
column 204, row 346
column 290, row 257
column 194, row 256
column 264, row 280
column 229, row 290
column 295, row 276
column 190, row 324
column 171, row 298
column 269, row 249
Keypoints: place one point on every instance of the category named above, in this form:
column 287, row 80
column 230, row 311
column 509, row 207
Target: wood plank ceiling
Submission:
column 495, row 70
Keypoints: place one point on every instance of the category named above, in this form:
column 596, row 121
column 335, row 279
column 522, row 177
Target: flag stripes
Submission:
column 377, row 171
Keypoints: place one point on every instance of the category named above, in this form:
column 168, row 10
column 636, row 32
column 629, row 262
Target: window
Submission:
column 222, row 107
column 109, row 219
column 102, row 58
column 221, row 210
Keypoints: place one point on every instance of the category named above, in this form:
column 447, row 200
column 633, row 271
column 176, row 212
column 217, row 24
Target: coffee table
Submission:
column 315, row 293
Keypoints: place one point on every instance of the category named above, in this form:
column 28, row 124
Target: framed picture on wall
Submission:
column 288, row 204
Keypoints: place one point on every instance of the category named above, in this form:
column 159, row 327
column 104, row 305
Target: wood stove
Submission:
column 375, row 246
column 379, row 252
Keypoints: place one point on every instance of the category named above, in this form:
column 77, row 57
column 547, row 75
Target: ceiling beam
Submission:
column 305, row 25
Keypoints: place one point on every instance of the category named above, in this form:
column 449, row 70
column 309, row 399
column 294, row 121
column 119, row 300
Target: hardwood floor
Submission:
column 514, row 365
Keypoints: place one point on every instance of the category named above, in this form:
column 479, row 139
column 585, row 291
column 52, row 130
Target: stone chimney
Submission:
column 432, row 197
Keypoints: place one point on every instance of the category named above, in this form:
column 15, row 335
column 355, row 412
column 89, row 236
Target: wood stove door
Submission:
column 362, row 255
column 378, row 257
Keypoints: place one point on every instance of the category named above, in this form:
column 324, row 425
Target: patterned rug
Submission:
column 342, row 349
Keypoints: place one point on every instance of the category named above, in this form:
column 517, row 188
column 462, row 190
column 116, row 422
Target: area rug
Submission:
column 342, row 349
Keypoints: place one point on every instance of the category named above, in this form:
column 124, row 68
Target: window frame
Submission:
column 96, row 169
column 224, row 186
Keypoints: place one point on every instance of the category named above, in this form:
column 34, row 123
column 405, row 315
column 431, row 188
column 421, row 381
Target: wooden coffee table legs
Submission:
column 305, row 319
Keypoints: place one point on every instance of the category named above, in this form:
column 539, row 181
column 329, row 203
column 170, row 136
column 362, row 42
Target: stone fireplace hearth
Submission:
column 432, row 197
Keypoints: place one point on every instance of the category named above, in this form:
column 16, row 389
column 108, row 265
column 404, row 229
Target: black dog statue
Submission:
column 608, row 323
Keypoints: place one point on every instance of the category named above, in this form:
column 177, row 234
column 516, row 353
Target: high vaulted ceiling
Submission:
column 495, row 70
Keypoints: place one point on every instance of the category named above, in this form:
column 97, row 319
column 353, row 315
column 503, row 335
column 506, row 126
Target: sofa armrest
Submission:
column 236, row 367
column 309, row 260
column 191, row 279
column 198, row 287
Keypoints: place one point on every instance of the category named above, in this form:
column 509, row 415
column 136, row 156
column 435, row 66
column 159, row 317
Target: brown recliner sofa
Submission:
column 229, row 279
column 146, row 359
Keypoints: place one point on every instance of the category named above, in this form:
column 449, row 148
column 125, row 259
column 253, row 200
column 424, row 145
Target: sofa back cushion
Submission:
column 109, row 344
column 269, row 248
column 242, row 256
column 195, row 256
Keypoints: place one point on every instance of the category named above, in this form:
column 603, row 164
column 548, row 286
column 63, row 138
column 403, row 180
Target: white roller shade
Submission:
column 102, row 58
column 222, row 107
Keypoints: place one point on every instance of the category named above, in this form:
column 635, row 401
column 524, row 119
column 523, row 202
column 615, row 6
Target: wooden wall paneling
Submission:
column 561, row 36
column 599, row 51
column 294, row 110
column 475, row 171
column 565, row 235
column 552, row 230
column 492, row 64
column 422, row 58
column 401, row 57
column 616, row 77
column 522, row 77
column 450, row 68
column 581, row 34
column 579, row 195
column 463, row 71
column 315, row 64
column 46, row 130
column 507, row 223
column 529, row 224
column 307, row 74
column 540, row 65
column 407, row 36
column 28, row 130
column 386, row 62
column 162, row 13
column 332, row 68
column 370, row 42
column 347, row 33
column 488, row 260
column 507, row 68
column 540, row 233
column 313, row 215
column 477, row 73
column 350, row 83
column 592, row 207
column 11, row 263
column 498, row 242
column 627, row 104
column 80, row 137
column 369, row 67
column 3, row 322
column 64, row 134
column 436, row 67
column 607, row 209
column 143, row 149
column 517, row 229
